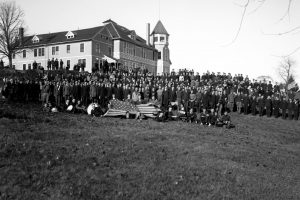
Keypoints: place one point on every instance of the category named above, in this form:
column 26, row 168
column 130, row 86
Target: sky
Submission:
column 200, row 31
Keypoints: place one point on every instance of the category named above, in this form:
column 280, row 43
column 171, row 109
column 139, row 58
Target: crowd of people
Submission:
column 205, row 99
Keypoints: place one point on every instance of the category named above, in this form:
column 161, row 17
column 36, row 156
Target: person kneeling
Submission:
column 79, row 107
column 162, row 116
column 191, row 116
column 225, row 119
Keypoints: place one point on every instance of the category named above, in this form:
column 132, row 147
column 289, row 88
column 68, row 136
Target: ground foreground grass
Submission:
column 62, row 156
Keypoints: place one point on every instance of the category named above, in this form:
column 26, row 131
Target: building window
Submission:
column 40, row 52
column 24, row 55
column 43, row 51
column 68, row 63
column 97, row 48
column 159, row 55
column 35, row 39
column 82, row 47
column 155, row 39
column 162, row 39
column 24, row 66
column 55, row 50
column 109, row 51
column 70, row 35
column 68, row 48
column 35, row 52
column 29, row 66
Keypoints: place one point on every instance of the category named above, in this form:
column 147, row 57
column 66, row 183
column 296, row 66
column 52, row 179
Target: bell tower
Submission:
column 159, row 38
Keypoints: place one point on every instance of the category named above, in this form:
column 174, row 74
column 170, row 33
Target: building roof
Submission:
column 159, row 29
column 116, row 31
column 60, row 37
column 120, row 32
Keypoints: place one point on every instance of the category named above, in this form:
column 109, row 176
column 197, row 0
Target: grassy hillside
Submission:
column 62, row 156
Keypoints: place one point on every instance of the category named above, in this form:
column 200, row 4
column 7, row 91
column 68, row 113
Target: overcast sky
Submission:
column 199, row 29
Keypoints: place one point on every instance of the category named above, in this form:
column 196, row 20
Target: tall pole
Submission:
column 159, row 9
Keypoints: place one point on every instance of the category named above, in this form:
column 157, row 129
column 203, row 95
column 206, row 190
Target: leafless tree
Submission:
column 11, row 19
column 286, row 70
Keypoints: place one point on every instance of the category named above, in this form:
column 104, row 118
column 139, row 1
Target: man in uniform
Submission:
column 246, row 102
column 296, row 109
column 276, row 107
column 268, row 106
column 283, row 107
column 260, row 102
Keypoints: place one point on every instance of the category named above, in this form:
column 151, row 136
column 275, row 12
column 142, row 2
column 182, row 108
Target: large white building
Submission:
column 90, row 47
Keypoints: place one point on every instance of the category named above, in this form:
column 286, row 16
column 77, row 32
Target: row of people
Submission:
column 191, row 97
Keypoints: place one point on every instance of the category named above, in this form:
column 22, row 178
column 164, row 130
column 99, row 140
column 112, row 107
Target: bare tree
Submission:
column 11, row 19
column 286, row 70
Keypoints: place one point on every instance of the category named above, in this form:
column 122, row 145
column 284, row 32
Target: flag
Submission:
column 148, row 110
column 120, row 108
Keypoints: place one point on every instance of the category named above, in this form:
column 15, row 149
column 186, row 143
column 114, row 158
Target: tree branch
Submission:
column 283, row 33
column 241, row 23
column 291, row 53
column 287, row 12
column 262, row 2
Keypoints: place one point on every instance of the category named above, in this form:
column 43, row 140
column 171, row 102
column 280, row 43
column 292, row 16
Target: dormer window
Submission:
column 35, row 39
column 70, row 35
column 132, row 35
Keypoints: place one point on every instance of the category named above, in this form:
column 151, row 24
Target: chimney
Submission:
column 21, row 36
column 148, row 33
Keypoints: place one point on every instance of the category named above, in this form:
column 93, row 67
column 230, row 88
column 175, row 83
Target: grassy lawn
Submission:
column 61, row 156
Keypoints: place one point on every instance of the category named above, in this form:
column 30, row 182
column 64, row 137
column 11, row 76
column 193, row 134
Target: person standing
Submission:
column 159, row 93
column 268, row 106
column 93, row 92
column 230, row 103
column 283, row 107
column 246, row 102
column 239, row 102
column 296, row 109
column 178, row 95
column 61, row 64
column 253, row 105
column 290, row 109
column 66, row 91
column 165, row 98
column 45, row 92
column 260, row 103
column 56, row 64
column 85, row 93
column 213, row 100
column 276, row 107
column 49, row 65
column 52, row 64
column 58, row 93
